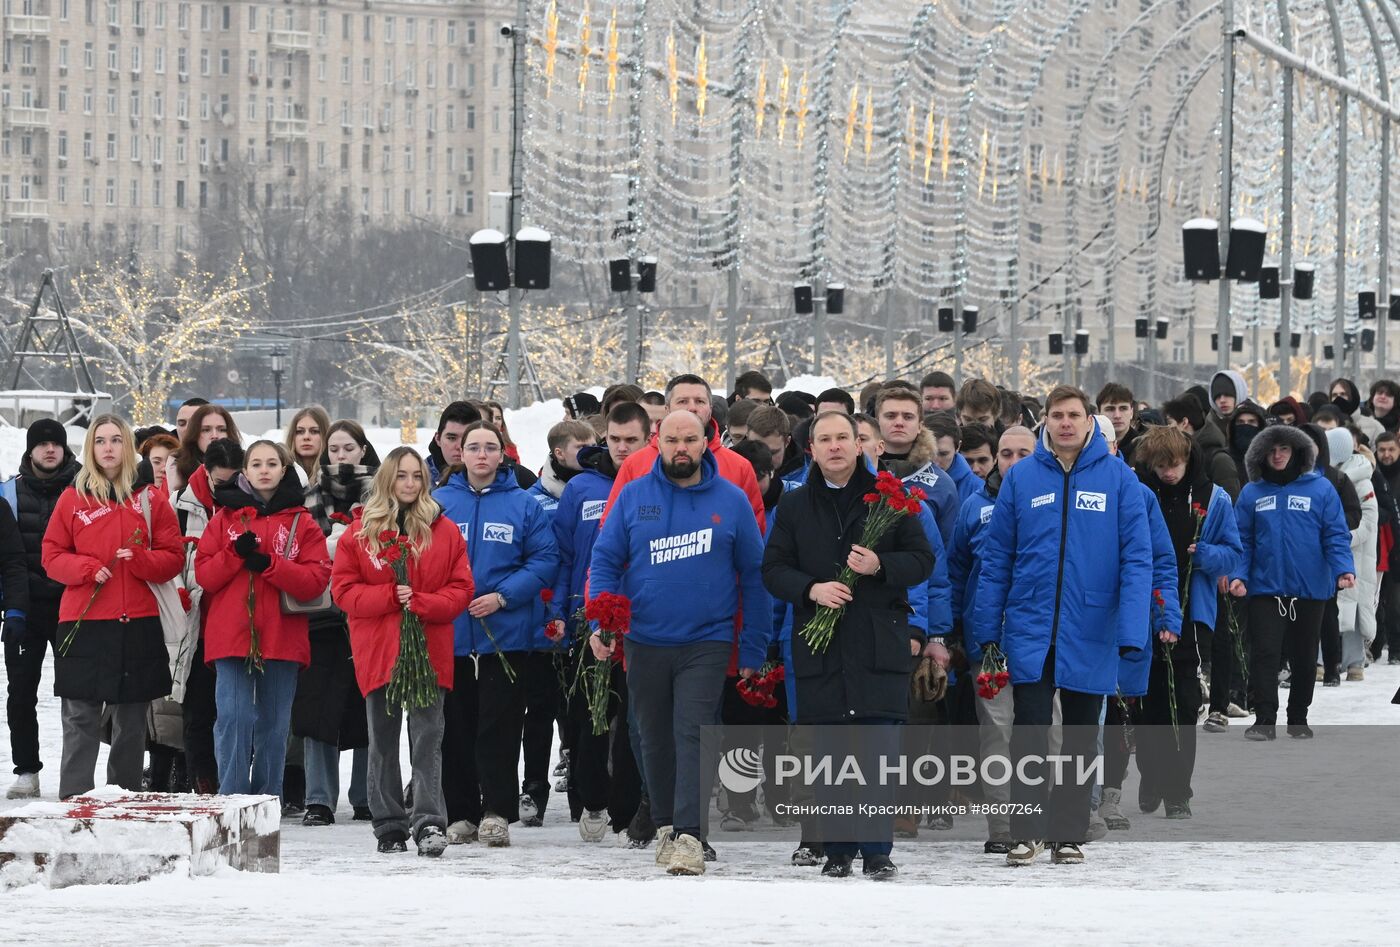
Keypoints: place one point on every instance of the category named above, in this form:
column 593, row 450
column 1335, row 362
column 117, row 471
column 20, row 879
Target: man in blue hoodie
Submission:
column 1066, row 580
column 681, row 543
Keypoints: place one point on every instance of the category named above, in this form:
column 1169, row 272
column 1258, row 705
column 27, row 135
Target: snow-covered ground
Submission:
column 549, row 886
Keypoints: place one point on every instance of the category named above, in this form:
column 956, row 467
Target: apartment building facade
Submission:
column 129, row 124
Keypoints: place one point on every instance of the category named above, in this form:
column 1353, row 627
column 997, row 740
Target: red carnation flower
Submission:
column 918, row 494
column 611, row 611
column 554, row 631
column 388, row 536
column 871, row 498
column 546, row 595
column 185, row 601
column 248, row 513
column 392, row 554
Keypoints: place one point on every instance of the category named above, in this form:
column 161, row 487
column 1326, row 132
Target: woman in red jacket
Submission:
column 108, row 537
column 261, row 543
column 439, row 588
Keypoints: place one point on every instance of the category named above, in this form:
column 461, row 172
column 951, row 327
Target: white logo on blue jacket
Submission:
column 592, row 510
column 1042, row 500
column 1093, row 502
column 498, row 532
column 1265, row 503
column 1303, row 504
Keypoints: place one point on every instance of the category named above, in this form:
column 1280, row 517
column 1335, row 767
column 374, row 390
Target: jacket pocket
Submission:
column 890, row 636
column 1097, row 613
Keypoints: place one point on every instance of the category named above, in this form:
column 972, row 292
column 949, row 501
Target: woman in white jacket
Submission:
column 1357, row 606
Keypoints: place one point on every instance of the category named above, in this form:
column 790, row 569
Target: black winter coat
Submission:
column 865, row 670
column 36, row 498
column 14, row 577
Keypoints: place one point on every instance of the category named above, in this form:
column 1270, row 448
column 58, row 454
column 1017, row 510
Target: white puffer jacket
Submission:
column 1356, row 607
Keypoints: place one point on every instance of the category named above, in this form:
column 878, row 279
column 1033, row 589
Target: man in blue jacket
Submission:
column 681, row 543
column 909, row 454
column 1065, row 583
column 993, row 716
column 592, row 789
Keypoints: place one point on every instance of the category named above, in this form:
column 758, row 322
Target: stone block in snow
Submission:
column 112, row 836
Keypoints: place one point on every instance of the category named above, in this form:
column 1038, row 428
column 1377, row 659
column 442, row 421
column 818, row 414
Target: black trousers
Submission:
column 1058, row 812
column 24, row 665
column 603, row 772
column 500, row 723
column 1226, row 674
column 1388, row 617
column 1166, row 758
column 199, row 712
column 1278, row 628
column 1118, row 719
column 1331, row 641
column 544, row 696
column 460, row 790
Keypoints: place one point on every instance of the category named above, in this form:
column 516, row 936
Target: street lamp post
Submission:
column 278, row 367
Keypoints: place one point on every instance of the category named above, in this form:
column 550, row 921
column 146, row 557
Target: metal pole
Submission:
column 1285, row 272
column 1068, row 313
column 1383, row 281
column 517, row 92
column 887, row 303
column 632, row 306
column 632, row 357
column 1340, row 294
column 1227, row 135
column 731, row 326
column 1013, row 315
column 818, row 328
column 1151, row 361
column 957, row 344
column 277, row 393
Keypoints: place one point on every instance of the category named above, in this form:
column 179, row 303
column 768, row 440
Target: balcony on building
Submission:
column 289, row 41
column 26, row 26
column 27, row 209
column 18, row 116
column 287, row 128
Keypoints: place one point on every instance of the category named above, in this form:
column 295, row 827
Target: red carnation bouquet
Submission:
column 553, row 628
column 994, row 677
column 759, row 690
column 886, row 504
column 413, row 682
column 613, row 615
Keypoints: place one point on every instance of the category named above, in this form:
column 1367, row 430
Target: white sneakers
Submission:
column 26, row 787
column 592, row 826
column 687, row 856
column 1024, row 852
column 665, row 845
column 493, row 831
column 461, row 832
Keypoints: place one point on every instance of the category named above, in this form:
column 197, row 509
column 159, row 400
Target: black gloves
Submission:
column 256, row 561
column 246, row 544
column 15, row 628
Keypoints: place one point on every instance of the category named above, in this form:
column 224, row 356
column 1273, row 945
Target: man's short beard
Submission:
column 672, row 470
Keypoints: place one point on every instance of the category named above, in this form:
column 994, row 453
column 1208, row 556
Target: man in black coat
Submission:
column 47, row 469
column 862, row 678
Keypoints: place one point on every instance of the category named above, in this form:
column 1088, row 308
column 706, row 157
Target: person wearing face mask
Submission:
column 328, row 711
column 261, row 543
column 1344, row 394
column 1241, row 429
column 1356, row 606
column 1296, row 555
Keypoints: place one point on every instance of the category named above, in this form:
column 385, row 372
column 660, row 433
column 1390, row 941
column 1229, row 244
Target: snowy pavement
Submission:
column 550, row 886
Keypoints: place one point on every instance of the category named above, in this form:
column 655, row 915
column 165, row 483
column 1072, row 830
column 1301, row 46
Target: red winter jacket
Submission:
column 219, row 571
column 84, row 535
column 732, row 467
column 363, row 587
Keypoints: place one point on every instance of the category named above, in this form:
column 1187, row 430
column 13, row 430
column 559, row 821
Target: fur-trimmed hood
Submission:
column 920, row 456
column 1304, row 450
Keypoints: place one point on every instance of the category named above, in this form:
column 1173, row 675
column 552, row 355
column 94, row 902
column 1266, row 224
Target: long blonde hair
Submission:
column 91, row 482
column 318, row 414
column 381, row 509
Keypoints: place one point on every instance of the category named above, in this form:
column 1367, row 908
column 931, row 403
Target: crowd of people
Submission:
column 228, row 615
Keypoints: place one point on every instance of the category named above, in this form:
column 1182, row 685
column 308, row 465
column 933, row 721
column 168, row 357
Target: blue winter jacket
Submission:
column 575, row 522
column 943, row 498
column 1218, row 553
column 1135, row 667
column 1066, row 561
column 1294, row 539
column 511, row 548
column 684, row 555
column 964, row 479
column 976, row 512
column 933, row 604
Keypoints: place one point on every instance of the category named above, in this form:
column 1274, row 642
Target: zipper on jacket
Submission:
column 1060, row 569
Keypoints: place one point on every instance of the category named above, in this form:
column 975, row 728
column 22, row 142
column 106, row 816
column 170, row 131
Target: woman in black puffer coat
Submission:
column 329, row 711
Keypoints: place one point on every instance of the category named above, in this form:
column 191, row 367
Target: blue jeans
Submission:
column 322, row 762
column 250, row 734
